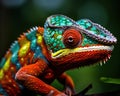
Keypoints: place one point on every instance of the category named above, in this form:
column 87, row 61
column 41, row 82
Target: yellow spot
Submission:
column 24, row 48
column 39, row 38
column 1, row 74
column 7, row 64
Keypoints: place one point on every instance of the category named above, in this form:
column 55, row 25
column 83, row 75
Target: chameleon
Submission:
column 43, row 54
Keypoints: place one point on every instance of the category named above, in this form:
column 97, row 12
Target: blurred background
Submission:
column 17, row 16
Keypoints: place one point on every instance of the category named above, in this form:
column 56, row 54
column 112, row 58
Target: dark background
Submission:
column 16, row 16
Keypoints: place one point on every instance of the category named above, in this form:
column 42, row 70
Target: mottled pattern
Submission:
column 42, row 55
column 96, row 31
column 22, row 52
column 93, row 33
column 59, row 21
column 53, row 38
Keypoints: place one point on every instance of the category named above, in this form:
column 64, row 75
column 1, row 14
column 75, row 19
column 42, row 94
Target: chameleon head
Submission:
column 77, row 43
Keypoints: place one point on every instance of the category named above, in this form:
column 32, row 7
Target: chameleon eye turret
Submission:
column 57, row 26
column 65, row 36
column 72, row 38
column 54, row 28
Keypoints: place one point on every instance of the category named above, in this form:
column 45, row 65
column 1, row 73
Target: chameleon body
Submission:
column 42, row 55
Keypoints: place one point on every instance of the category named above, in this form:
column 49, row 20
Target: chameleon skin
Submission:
column 42, row 55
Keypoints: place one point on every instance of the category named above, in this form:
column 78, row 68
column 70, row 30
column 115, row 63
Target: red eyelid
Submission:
column 76, row 36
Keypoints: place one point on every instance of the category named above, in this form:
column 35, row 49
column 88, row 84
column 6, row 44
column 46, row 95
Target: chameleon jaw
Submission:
column 64, row 52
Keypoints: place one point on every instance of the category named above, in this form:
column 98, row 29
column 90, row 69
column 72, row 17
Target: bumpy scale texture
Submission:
column 42, row 55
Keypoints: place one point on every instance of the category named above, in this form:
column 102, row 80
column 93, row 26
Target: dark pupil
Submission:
column 70, row 39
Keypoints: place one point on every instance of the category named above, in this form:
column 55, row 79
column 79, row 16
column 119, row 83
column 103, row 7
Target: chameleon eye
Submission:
column 72, row 38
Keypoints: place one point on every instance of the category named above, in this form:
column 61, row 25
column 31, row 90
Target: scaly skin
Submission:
column 42, row 55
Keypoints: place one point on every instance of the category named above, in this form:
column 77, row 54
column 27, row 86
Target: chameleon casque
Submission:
column 42, row 55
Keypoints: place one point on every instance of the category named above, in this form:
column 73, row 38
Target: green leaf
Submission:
column 110, row 80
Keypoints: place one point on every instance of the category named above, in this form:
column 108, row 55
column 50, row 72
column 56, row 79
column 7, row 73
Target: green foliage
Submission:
column 110, row 80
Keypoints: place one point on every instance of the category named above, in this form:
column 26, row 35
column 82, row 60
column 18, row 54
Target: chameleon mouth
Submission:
column 65, row 52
